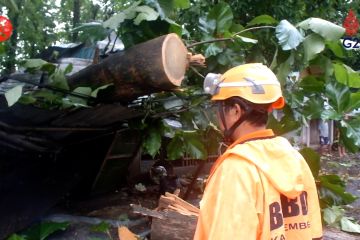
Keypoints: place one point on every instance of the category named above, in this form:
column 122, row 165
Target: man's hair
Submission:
column 258, row 115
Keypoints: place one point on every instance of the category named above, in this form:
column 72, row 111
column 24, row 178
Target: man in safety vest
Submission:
column 261, row 187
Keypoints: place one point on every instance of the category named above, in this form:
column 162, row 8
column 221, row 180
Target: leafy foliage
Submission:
column 14, row 94
column 101, row 227
column 332, row 191
column 40, row 231
column 313, row 159
column 289, row 37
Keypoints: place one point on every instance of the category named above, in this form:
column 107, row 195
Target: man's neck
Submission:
column 246, row 128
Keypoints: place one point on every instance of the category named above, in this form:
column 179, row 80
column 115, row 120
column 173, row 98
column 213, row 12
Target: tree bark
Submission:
column 175, row 226
column 76, row 18
column 152, row 66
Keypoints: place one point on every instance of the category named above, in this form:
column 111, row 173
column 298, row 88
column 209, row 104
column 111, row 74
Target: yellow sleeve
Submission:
column 228, row 208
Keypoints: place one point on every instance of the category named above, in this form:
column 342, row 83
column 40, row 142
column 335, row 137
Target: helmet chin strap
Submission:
column 228, row 132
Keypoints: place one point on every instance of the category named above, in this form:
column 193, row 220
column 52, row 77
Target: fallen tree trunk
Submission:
column 152, row 66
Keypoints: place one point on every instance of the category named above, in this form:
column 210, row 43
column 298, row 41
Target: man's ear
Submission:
column 238, row 111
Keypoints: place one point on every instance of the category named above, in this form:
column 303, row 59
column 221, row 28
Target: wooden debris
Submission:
column 126, row 234
column 173, row 202
column 196, row 60
column 173, row 219
column 146, row 212
column 175, row 226
column 179, row 222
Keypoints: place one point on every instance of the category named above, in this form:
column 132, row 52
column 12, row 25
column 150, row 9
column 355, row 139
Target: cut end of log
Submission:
column 174, row 56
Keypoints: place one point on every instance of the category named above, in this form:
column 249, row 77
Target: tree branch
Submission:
column 229, row 38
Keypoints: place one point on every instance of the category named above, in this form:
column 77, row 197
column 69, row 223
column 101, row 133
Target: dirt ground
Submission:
column 348, row 168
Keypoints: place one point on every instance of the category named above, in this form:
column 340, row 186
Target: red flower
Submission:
column 5, row 28
column 351, row 24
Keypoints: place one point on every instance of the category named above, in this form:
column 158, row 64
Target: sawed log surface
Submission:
column 152, row 66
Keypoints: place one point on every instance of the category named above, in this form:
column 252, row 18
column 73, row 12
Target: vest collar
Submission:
column 266, row 133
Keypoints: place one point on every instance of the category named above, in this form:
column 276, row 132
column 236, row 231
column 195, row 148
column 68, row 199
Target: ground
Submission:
column 116, row 206
column 348, row 168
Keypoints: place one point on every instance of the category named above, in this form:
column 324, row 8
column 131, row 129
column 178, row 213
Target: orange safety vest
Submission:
column 260, row 188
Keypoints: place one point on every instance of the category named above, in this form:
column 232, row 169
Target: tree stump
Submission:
column 152, row 66
column 174, row 226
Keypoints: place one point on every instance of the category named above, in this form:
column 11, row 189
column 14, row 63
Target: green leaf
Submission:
column 285, row 125
column 352, row 130
column 11, row 4
column 340, row 73
column 145, row 13
column 311, row 84
column 346, row 75
column 223, row 16
column 87, row 26
column 83, row 90
column 175, row 149
column 247, row 40
column 182, row 4
column 339, row 96
column 333, row 190
column 163, row 7
column 14, row 94
column 336, row 48
column 326, row 29
column 313, row 108
column 325, row 64
column 58, row 80
column 284, row 69
column 71, row 100
column 96, row 91
column 207, row 25
column 44, row 229
column 101, row 227
column 349, row 226
column 35, row 63
column 2, row 49
column 91, row 32
column 354, row 102
column 354, row 78
column 262, row 19
column 27, row 99
column 348, row 142
column 16, row 237
column 48, row 95
column 332, row 215
column 313, row 160
column 68, row 68
column 194, row 146
column 152, row 142
column 313, row 45
column 173, row 103
column 114, row 21
column 49, row 68
column 176, row 28
column 331, row 114
column 289, row 37
column 212, row 50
